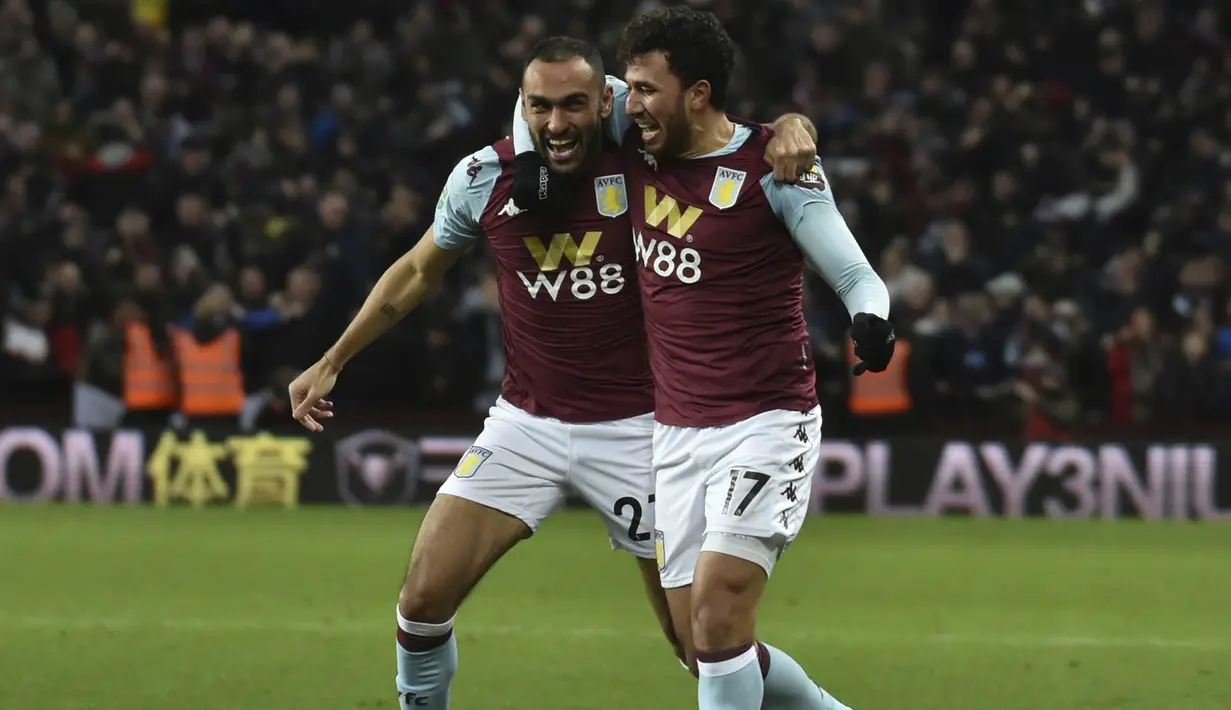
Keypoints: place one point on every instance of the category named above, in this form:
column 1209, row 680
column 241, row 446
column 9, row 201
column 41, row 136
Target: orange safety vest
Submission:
column 149, row 378
column 210, row 380
column 881, row 393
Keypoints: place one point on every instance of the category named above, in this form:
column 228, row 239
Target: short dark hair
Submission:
column 562, row 49
column 695, row 43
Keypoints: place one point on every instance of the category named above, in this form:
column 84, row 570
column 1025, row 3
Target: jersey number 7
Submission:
column 758, row 483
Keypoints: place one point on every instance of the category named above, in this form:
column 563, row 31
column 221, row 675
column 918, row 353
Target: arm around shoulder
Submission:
column 792, row 149
column 619, row 122
column 803, row 122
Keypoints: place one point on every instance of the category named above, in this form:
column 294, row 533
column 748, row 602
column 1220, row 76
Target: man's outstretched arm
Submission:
column 400, row 289
column 404, row 284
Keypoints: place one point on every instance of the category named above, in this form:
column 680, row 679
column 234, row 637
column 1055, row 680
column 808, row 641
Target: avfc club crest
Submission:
column 471, row 461
column 727, row 184
column 610, row 195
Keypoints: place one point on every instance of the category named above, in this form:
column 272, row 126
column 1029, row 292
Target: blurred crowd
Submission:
column 1045, row 188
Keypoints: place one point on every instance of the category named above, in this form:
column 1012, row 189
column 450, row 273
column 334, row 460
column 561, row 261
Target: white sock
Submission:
column 730, row 680
column 425, row 677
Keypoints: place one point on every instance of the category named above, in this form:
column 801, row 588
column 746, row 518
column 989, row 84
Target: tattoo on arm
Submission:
column 390, row 312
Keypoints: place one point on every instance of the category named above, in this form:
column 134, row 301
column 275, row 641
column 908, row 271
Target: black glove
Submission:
column 536, row 188
column 874, row 342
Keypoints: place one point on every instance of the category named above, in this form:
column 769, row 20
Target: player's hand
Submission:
column 791, row 151
column 308, row 392
column 874, row 341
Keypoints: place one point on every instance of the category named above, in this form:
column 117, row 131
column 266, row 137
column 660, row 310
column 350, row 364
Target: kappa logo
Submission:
column 473, row 168
column 726, row 188
column 543, row 179
column 610, row 195
column 649, row 159
column 510, row 210
column 474, row 458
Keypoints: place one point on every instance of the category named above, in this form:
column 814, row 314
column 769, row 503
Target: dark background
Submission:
column 1046, row 189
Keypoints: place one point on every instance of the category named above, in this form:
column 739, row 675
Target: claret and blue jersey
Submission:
column 571, row 316
column 720, row 249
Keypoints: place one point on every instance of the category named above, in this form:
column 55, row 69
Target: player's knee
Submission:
column 427, row 603
column 724, row 606
column 715, row 619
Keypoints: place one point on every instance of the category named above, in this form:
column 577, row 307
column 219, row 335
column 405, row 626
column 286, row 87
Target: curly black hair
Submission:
column 694, row 42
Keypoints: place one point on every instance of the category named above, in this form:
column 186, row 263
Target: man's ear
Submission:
column 607, row 102
column 698, row 95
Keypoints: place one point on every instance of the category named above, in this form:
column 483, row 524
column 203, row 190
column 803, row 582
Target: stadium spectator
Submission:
column 1036, row 182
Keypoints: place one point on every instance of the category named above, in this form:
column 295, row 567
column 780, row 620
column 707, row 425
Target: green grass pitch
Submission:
column 146, row 609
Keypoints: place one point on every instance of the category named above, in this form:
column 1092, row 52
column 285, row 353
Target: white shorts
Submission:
column 741, row 489
column 525, row 466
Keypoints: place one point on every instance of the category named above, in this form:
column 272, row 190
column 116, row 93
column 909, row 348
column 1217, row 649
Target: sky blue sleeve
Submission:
column 808, row 210
column 523, row 142
column 463, row 199
column 619, row 122
column 617, row 125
